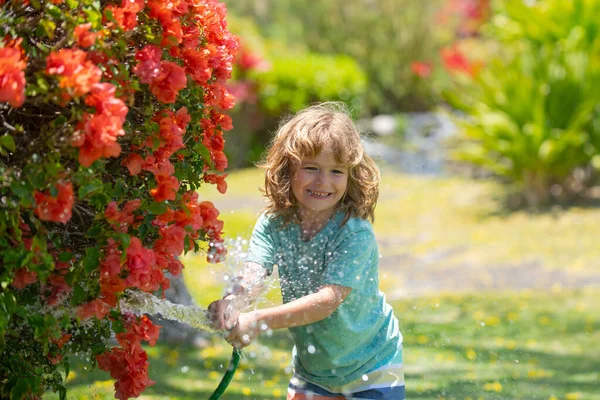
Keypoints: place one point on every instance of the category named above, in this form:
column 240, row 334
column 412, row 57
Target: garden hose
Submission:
column 233, row 363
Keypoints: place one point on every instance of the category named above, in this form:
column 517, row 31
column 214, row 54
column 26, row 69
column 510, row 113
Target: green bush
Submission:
column 383, row 36
column 293, row 82
column 533, row 113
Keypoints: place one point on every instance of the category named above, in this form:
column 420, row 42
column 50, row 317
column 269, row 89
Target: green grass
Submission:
column 486, row 345
column 518, row 345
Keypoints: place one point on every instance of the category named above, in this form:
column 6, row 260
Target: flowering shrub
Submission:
column 112, row 116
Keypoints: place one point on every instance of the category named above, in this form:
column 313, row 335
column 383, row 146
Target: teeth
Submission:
column 318, row 194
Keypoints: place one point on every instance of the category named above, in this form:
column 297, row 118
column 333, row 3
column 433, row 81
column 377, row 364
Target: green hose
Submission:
column 233, row 363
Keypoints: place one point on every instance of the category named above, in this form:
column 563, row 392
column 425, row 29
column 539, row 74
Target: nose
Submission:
column 322, row 179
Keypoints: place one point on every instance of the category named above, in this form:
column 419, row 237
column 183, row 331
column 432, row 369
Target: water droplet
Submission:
column 185, row 369
column 365, row 378
column 311, row 349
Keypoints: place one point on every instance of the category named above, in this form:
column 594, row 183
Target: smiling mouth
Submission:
column 320, row 195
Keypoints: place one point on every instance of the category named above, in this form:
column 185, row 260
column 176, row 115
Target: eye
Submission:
column 310, row 168
column 338, row 172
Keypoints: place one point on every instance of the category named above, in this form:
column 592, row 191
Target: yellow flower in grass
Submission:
column 478, row 315
column 493, row 387
column 471, row 354
column 172, row 357
column 214, row 375
column 511, row 344
column 512, row 316
column 544, row 320
column 531, row 342
column 269, row 383
column 277, row 393
column 492, row 320
column 246, row 391
column 422, row 339
column 552, row 398
column 573, row 396
column 209, row 352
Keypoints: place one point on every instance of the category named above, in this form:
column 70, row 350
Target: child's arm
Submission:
column 303, row 311
column 242, row 291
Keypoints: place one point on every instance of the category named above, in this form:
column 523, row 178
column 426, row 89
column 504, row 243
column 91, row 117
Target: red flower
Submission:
column 56, row 209
column 217, row 180
column 220, row 160
column 170, row 80
column 149, row 61
column 421, row 69
column 129, row 367
column 140, row 263
column 133, row 163
column 455, row 60
column 144, row 329
column 95, row 308
column 73, row 70
column 97, row 134
column 23, row 278
column 12, row 77
column 171, row 240
column 121, row 220
column 84, row 37
column 196, row 64
column 64, row 339
column 167, row 188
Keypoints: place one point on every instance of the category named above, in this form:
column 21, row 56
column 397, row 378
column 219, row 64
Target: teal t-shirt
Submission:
column 362, row 334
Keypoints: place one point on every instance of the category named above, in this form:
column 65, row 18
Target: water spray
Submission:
column 145, row 303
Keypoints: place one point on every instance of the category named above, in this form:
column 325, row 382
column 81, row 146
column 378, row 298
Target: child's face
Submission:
column 319, row 183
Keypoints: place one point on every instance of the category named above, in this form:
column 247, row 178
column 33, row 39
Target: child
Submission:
column 322, row 190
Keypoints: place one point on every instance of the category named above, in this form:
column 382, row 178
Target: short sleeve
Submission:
column 353, row 261
column 262, row 244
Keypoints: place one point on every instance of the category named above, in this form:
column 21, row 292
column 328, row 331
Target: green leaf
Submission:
column 21, row 389
column 71, row 276
column 158, row 208
column 62, row 392
column 23, row 190
column 67, row 367
column 91, row 261
column 79, row 295
column 61, row 120
column 42, row 84
column 37, row 180
column 99, row 200
column 47, row 27
column 65, row 256
column 72, row 4
column 203, row 151
column 119, row 189
column 8, row 143
column 117, row 326
column 54, row 11
column 92, row 187
column 94, row 231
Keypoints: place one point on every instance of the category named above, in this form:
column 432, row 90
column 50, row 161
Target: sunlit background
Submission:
column 485, row 119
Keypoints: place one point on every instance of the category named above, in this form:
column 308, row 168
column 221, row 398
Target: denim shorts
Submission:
column 385, row 393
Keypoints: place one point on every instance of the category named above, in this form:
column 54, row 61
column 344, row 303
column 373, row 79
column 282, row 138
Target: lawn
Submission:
column 525, row 345
column 511, row 344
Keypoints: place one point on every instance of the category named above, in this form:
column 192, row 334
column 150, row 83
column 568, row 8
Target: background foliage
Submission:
column 533, row 109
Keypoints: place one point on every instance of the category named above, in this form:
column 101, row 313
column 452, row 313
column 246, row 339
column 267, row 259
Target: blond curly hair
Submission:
column 305, row 135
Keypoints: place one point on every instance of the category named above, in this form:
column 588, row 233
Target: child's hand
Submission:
column 222, row 316
column 244, row 332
